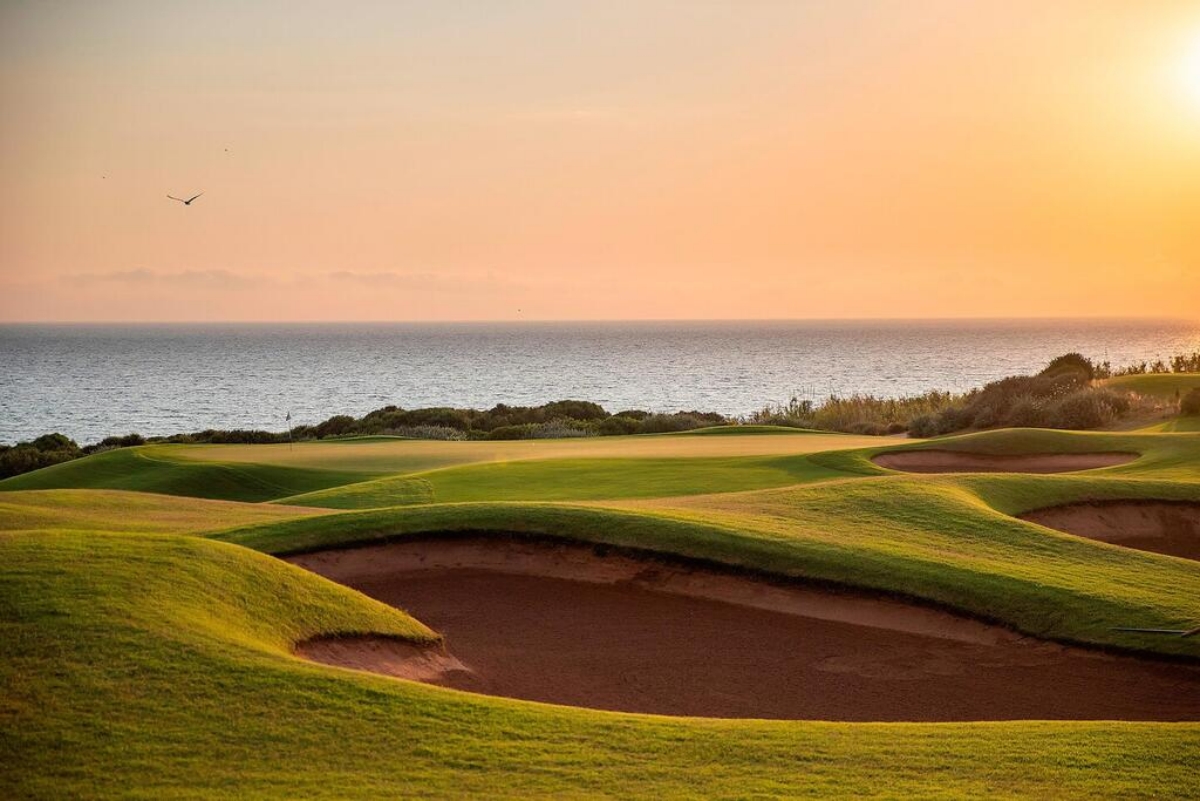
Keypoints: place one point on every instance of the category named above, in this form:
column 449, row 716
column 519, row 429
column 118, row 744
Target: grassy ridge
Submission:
column 151, row 469
column 118, row 510
column 392, row 456
column 572, row 479
column 165, row 675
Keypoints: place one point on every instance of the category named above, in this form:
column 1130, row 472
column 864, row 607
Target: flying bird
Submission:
column 187, row 202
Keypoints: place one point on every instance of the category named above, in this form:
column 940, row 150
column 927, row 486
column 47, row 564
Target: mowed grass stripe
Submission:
column 572, row 479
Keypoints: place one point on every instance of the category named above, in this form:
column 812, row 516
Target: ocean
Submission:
column 91, row 381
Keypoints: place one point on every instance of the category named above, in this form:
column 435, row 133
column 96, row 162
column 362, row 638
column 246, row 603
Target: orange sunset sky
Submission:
column 557, row 160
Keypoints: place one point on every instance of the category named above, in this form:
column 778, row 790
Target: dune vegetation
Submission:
column 149, row 630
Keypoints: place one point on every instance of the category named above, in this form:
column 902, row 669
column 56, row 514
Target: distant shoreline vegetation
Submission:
column 1070, row 393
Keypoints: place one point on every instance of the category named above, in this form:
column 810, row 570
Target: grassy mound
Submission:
column 118, row 510
column 166, row 674
column 151, row 469
column 572, row 479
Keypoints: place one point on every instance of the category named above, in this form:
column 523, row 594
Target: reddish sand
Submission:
column 562, row 624
column 960, row 462
column 1169, row 527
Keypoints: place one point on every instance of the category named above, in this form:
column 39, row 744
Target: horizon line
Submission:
column 541, row 320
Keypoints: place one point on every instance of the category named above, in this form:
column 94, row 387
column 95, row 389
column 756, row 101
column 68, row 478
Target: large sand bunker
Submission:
column 573, row 624
column 934, row 461
column 1170, row 527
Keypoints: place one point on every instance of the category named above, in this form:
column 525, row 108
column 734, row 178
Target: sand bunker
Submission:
column 1168, row 527
column 933, row 461
column 571, row 624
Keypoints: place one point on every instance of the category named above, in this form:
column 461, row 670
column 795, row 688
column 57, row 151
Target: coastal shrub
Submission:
column 1024, row 412
column 1080, row 410
column 46, row 450
column 1190, row 404
column 866, row 427
column 427, row 432
column 560, row 428
column 856, row 413
column 512, row 432
column 619, row 425
column 1060, row 396
column 667, row 423
column 1070, row 363
column 923, row 426
column 575, row 410
column 336, row 426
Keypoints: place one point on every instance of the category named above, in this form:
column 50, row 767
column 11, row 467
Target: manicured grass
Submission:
column 117, row 510
column 1180, row 425
column 142, row 658
column 572, row 479
column 165, row 674
column 1163, row 386
column 152, row 469
column 381, row 455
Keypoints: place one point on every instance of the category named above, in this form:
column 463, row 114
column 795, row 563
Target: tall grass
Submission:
column 857, row 414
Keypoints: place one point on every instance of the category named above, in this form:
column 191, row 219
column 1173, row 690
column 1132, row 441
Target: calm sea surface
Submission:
column 90, row 381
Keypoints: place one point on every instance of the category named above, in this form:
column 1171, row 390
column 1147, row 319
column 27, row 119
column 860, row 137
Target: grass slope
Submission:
column 118, row 510
column 385, row 455
column 1163, row 386
column 151, row 469
column 165, row 675
column 572, row 479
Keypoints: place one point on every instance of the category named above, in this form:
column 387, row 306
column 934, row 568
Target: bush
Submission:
column 667, row 423
column 1071, row 363
column 575, row 410
column 1025, row 412
column 336, row 426
column 1190, row 405
column 46, row 450
column 427, row 432
column 924, row 426
column 1081, row 410
column 618, row 425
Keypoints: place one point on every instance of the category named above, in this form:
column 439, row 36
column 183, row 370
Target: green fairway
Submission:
column 153, row 468
column 572, row 479
column 147, row 638
column 1159, row 385
column 392, row 455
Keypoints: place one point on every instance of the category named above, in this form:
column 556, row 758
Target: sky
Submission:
column 631, row 159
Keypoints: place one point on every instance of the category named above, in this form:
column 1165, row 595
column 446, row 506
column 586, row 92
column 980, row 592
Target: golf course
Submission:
column 732, row 612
